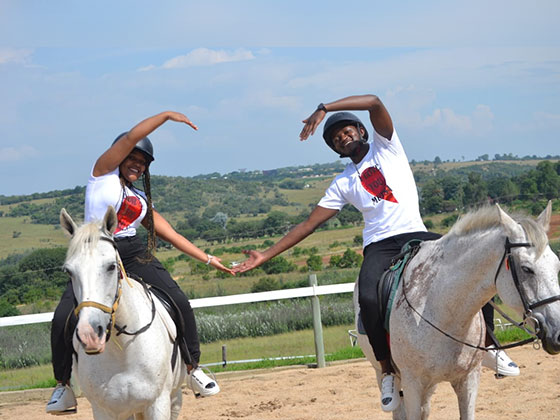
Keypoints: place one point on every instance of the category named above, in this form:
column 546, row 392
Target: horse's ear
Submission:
column 110, row 220
column 67, row 223
column 510, row 225
column 544, row 217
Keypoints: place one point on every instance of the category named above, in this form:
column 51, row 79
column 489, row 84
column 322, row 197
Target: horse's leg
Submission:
column 176, row 403
column 467, row 390
column 160, row 409
column 413, row 397
column 426, row 399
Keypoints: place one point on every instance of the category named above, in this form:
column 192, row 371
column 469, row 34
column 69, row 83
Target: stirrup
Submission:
column 390, row 396
column 62, row 401
column 201, row 384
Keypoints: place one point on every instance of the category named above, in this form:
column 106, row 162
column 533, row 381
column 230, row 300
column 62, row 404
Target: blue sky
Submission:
column 460, row 79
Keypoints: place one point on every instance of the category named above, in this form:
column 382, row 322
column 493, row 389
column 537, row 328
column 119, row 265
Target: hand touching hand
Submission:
column 255, row 259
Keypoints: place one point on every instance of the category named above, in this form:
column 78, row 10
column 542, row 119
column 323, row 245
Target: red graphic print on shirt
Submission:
column 131, row 209
column 374, row 182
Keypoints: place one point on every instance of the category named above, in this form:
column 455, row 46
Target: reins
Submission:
column 113, row 308
column 528, row 307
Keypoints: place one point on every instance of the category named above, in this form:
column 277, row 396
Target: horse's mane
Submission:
column 85, row 238
column 488, row 217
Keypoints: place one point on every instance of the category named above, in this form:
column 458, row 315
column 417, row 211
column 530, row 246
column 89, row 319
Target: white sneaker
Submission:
column 500, row 362
column 390, row 398
column 62, row 401
column 201, row 384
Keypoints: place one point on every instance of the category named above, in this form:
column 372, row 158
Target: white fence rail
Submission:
column 213, row 301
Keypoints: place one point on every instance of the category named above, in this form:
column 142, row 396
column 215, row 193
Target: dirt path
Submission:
column 346, row 391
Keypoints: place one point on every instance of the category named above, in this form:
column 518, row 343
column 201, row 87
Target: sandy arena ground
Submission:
column 344, row 391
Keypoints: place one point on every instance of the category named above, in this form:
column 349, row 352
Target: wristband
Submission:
column 210, row 257
column 322, row 107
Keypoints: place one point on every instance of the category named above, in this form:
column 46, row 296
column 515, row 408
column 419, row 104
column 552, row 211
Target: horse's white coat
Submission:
column 448, row 282
column 131, row 376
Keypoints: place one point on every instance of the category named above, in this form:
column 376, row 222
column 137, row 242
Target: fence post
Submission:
column 317, row 325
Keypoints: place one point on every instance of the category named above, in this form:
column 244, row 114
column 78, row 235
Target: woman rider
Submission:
column 111, row 183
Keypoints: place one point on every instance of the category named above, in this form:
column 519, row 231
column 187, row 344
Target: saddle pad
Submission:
column 389, row 283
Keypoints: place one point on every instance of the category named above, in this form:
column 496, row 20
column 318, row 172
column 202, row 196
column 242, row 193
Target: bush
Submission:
column 278, row 265
column 265, row 284
column 449, row 220
column 348, row 260
column 7, row 309
column 315, row 263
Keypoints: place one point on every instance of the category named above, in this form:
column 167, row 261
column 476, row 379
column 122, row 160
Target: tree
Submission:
column 431, row 197
column 475, row 190
column 548, row 180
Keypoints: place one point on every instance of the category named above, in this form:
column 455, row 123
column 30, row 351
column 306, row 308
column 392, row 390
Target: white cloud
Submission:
column 147, row 68
column 479, row 122
column 446, row 119
column 206, row 57
column 547, row 120
column 11, row 55
column 12, row 154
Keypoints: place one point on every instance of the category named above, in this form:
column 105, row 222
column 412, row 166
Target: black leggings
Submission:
column 377, row 259
column 153, row 273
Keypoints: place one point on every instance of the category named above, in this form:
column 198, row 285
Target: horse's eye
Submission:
column 112, row 267
column 527, row 270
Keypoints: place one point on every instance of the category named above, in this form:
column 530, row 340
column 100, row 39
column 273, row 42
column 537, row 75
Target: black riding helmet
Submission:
column 144, row 145
column 338, row 120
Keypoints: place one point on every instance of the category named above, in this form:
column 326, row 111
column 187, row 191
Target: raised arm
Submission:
column 378, row 114
column 112, row 158
column 317, row 217
column 166, row 232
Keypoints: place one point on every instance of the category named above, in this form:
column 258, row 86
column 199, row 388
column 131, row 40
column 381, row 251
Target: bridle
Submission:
column 528, row 307
column 118, row 293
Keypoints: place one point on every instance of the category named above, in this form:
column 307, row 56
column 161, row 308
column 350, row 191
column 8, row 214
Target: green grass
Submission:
column 29, row 236
column 299, row 343
column 27, row 378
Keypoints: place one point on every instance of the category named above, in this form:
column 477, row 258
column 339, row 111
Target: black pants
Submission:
column 377, row 259
column 153, row 273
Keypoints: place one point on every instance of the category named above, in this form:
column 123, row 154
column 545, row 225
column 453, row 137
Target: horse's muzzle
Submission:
column 92, row 337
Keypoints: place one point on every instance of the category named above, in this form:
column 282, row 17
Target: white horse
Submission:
column 124, row 376
column 437, row 306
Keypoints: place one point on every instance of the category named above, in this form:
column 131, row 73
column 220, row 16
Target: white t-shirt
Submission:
column 382, row 188
column 106, row 190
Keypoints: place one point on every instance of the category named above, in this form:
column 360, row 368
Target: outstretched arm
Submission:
column 166, row 232
column 112, row 158
column 378, row 114
column 318, row 216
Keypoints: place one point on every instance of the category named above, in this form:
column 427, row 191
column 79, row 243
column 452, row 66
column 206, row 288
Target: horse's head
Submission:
column 92, row 264
column 529, row 284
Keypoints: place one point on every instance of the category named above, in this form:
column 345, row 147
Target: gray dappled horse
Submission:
column 437, row 306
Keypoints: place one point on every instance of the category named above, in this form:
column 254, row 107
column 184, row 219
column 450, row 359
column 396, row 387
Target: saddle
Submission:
column 389, row 282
